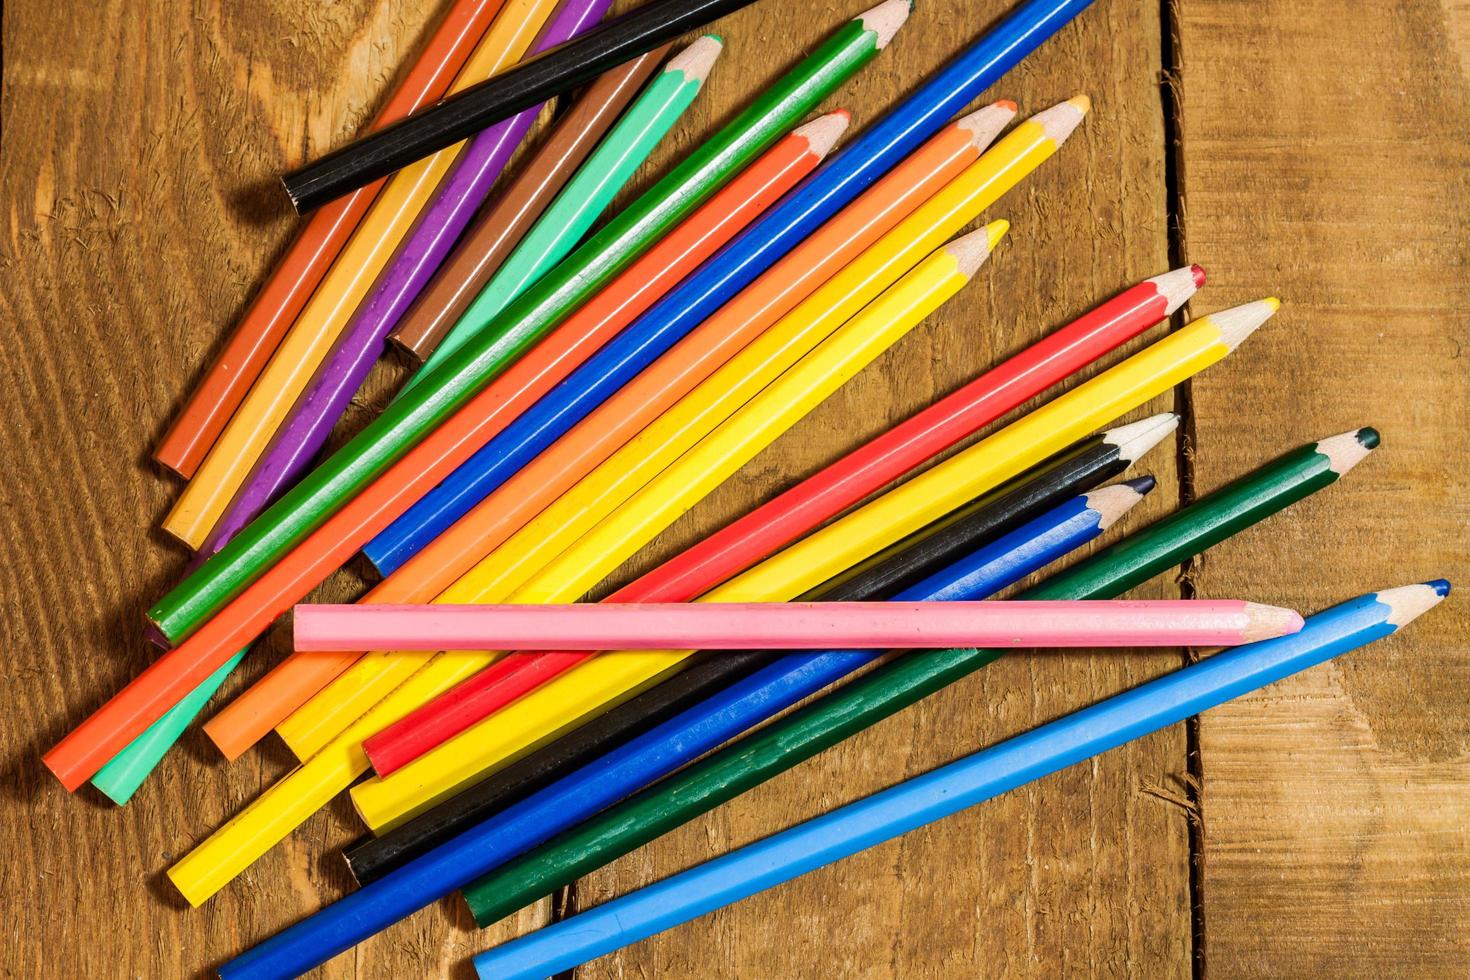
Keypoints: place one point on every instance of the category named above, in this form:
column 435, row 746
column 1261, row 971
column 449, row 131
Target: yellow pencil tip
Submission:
column 996, row 230
column 1274, row 303
column 1082, row 102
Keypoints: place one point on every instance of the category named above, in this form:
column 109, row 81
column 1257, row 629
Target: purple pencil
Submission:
column 310, row 421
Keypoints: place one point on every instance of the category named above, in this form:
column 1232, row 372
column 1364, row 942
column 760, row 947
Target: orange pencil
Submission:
column 259, row 709
column 305, row 263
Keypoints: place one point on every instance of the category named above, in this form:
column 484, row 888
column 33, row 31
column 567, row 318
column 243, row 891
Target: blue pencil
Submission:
column 826, row 191
column 955, row 787
column 665, row 748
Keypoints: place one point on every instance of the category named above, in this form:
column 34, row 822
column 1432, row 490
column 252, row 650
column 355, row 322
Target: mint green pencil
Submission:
column 626, row 146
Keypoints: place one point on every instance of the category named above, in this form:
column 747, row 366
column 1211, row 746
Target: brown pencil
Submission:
column 496, row 232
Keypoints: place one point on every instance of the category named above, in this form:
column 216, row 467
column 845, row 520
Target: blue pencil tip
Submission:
column 1141, row 484
column 1441, row 587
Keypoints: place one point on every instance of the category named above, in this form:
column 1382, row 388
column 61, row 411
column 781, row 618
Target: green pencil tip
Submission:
column 1368, row 436
column 717, row 38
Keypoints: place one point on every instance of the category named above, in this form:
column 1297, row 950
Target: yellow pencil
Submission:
column 606, row 680
column 876, row 327
column 336, row 299
column 955, row 205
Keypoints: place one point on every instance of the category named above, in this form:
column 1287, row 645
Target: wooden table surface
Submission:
column 1314, row 150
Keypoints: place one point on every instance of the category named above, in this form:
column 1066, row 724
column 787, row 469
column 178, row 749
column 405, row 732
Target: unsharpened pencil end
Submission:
column 1178, row 286
column 1137, row 438
column 1408, row 602
column 970, row 251
column 885, row 19
column 696, row 60
column 985, row 124
column 1239, row 322
column 823, row 132
column 1112, row 502
column 1268, row 622
column 1062, row 119
column 1347, row 449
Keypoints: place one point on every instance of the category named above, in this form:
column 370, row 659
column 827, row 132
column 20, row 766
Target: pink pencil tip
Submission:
column 1199, row 274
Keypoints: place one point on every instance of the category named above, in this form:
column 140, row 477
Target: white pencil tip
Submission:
column 1347, row 449
column 1137, row 438
column 1408, row 602
column 1178, row 286
column 885, row 19
column 696, row 60
column 823, row 132
column 1114, row 501
column 985, row 124
column 1239, row 322
column 1062, row 119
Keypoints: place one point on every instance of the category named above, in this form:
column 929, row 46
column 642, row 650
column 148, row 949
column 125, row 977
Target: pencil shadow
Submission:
column 261, row 202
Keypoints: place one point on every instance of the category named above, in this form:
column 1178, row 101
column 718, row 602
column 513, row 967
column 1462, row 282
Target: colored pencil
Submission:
column 890, row 316
column 296, row 679
column 1110, row 573
column 589, row 193
column 306, row 428
column 305, row 262
column 502, row 225
column 660, row 751
column 816, row 287
column 949, row 789
column 792, row 625
column 349, row 475
column 603, row 681
column 1078, row 469
column 455, row 118
column 336, row 299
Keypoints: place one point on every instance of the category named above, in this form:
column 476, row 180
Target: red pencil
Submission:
column 794, row 513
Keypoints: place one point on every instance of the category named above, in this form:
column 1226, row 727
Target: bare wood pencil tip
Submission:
column 696, row 60
column 1347, row 449
column 1408, row 602
column 823, row 132
column 970, row 251
column 1268, row 622
column 985, row 124
column 1062, row 119
column 1178, row 286
column 1112, row 502
column 1239, row 322
column 1137, row 438
column 885, row 20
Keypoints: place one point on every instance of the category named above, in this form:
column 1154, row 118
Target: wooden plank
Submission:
column 1084, row 872
column 1325, row 161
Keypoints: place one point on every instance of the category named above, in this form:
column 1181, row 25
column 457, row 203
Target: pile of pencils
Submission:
column 580, row 392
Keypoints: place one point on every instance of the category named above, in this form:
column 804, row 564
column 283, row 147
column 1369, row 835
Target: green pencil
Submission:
column 409, row 419
column 586, row 195
column 908, row 679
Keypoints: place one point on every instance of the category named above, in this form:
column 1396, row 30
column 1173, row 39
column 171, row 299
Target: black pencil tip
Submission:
column 1441, row 587
column 1141, row 485
column 1368, row 436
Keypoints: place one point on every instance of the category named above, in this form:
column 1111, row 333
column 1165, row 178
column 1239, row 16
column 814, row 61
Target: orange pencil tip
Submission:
column 1007, row 104
column 843, row 113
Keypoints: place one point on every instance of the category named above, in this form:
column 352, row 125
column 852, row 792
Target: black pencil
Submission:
column 529, row 83
column 1077, row 469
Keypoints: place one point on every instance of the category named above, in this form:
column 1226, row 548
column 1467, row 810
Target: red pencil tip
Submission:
column 1199, row 274
column 843, row 113
column 1006, row 104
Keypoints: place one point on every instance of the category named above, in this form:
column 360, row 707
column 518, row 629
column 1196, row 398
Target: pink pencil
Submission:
column 790, row 625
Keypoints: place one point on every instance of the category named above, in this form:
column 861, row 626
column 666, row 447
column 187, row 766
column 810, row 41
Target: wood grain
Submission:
column 140, row 213
column 1329, row 166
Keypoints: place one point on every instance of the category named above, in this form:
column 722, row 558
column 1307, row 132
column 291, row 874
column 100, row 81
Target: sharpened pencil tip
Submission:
column 1368, row 436
column 995, row 231
column 1408, row 602
column 696, row 60
column 1268, row 622
column 823, row 132
column 970, row 251
column 985, row 123
column 1007, row 105
column 1111, row 502
column 1239, row 322
column 1347, row 449
column 885, row 19
column 1177, row 286
column 1137, row 438
column 1143, row 485
column 1198, row 272
column 1062, row 119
